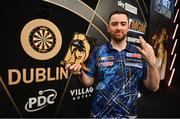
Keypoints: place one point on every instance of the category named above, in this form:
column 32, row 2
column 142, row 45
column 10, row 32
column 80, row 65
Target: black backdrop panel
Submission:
column 15, row 98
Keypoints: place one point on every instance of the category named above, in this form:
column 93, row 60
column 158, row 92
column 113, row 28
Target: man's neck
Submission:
column 119, row 45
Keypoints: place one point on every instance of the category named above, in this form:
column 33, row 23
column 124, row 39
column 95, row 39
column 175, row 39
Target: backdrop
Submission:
column 35, row 38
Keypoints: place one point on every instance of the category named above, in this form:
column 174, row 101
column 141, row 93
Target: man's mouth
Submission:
column 119, row 34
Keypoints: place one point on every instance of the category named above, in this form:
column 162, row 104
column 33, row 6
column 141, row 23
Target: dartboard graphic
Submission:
column 42, row 39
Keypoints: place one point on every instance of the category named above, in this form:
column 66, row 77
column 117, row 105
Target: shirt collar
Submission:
column 129, row 47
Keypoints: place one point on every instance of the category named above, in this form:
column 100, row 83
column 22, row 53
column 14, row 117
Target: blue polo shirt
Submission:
column 117, row 76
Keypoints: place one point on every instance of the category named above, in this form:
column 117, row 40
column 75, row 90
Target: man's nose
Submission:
column 119, row 26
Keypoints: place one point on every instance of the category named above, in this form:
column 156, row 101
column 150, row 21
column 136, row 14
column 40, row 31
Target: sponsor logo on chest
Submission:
column 134, row 60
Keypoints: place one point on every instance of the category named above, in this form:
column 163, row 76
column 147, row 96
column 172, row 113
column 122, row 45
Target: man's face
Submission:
column 118, row 27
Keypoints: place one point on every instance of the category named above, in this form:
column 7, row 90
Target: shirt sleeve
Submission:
column 91, row 64
column 144, row 75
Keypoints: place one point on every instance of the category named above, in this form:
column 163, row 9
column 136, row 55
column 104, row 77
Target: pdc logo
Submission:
column 45, row 98
column 41, row 39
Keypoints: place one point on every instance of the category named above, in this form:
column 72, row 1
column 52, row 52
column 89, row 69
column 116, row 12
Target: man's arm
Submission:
column 153, row 76
column 88, row 81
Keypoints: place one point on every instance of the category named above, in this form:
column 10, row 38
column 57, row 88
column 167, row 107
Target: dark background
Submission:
column 15, row 14
column 166, row 101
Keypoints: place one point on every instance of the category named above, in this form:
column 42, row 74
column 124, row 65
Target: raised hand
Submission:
column 147, row 51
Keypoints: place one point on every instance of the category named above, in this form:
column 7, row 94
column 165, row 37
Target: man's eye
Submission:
column 123, row 24
column 114, row 24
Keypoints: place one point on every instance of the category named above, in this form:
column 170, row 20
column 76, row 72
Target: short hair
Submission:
column 118, row 12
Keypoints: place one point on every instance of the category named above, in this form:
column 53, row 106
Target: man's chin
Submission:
column 119, row 38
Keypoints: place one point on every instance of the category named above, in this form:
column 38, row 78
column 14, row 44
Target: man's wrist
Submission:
column 152, row 64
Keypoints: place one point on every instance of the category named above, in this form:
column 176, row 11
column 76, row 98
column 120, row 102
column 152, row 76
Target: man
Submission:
column 118, row 67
